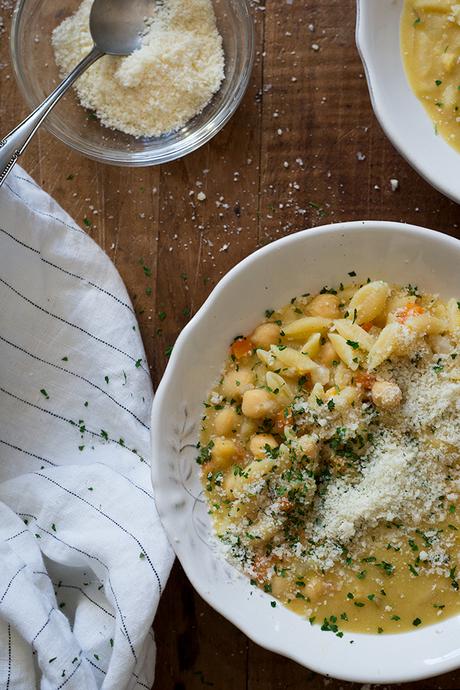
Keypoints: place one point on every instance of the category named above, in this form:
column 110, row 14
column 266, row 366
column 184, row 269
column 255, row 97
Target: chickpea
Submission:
column 265, row 335
column 257, row 445
column 326, row 306
column 225, row 421
column 386, row 394
column 309, row 446
column 327, row 355
column 346, row 398
column 223, row 453
column 236, row 383
column 258, row 403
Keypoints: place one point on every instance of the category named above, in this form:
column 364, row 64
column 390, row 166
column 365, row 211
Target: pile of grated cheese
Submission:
column 158, row 88
column 412, row 462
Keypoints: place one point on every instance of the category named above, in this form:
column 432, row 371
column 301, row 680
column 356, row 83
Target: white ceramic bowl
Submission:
column 402, row 116
column 299, row 263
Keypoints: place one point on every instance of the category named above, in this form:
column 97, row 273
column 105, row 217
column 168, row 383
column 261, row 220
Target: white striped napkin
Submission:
column 83, row 557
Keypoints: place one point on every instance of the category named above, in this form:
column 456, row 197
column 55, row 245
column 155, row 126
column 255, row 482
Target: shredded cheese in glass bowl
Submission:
column 154, row 109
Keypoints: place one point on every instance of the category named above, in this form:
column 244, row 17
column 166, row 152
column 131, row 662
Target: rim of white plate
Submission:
column 448, row 185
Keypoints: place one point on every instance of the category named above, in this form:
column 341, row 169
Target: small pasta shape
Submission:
column 444, row 6
column 453, row 315
column 440, row 344
column 289, row 359
column 351, row 331
column 312, row 346
column 320, row 375
column 347, row 354
column 304, row 327
column 279, row 387
column 439, row 310
column 267, row 358
column 386, row 344
column 317, row 393
column 368, row 302
column 426, row 324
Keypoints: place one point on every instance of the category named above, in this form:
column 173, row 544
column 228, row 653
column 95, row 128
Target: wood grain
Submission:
column 303, row 149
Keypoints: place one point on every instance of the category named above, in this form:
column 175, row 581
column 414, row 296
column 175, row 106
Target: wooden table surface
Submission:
column 303, row 149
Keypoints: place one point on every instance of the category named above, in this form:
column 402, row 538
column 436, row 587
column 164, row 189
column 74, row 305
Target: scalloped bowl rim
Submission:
column 325, row 664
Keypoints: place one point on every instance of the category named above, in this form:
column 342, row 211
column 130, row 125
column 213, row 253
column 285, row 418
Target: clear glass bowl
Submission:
column 37, row 75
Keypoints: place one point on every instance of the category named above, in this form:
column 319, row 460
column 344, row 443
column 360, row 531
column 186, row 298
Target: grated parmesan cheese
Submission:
column 344, row 489
column 405, row 470
column 161, row 86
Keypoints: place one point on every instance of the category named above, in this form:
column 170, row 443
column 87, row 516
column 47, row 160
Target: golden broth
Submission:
column 430, row 43
column 394, row 574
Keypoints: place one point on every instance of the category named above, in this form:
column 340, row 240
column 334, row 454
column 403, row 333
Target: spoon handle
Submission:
column 16, row 141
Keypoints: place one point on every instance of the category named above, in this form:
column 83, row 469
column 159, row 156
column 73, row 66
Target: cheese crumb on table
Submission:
column 159, row 87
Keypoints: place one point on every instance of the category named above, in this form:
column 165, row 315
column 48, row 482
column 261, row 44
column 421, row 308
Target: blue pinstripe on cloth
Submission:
column 83, row 557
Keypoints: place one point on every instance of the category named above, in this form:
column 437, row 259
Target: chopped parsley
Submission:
column 353, row 344
column 204, row 455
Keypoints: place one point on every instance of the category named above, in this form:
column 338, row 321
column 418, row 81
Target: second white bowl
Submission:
column 402, row 116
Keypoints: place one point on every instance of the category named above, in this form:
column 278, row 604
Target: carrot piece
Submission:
column 409, row 310
column 365, row 380
column 241, row 347
column 367, row 326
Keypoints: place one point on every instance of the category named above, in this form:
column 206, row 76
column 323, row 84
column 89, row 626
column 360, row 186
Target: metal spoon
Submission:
column 116, row 28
